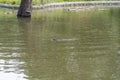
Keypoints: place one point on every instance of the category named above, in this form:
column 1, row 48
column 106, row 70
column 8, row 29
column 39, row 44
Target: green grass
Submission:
column 13, row 2
column 37, row 2
column 17, row 2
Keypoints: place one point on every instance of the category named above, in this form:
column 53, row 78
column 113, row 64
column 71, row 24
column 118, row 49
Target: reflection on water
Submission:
column 11, row 51
column 61, row 45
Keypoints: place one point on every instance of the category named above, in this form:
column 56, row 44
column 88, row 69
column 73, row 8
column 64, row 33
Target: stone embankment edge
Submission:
column 70, row 5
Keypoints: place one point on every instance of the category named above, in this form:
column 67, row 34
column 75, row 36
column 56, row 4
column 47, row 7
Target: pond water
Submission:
column 60, row 45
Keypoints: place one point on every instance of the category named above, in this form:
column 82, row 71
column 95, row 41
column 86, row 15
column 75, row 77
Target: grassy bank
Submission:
column 17, row 2
column 38, row 2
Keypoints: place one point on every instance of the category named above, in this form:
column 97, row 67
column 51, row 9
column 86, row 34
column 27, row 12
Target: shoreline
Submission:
column 70, row 5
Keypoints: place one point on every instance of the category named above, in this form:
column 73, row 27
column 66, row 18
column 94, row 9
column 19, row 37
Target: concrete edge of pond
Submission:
column 70, row 5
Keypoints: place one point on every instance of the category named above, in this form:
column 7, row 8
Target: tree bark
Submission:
column 25, row 8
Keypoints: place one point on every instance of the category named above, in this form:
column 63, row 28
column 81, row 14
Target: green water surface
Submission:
column 60, row 45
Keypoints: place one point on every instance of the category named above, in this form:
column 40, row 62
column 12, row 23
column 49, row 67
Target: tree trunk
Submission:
column 42, row 2
column 25, row 8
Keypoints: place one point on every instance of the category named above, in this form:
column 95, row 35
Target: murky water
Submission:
column 61, row 45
